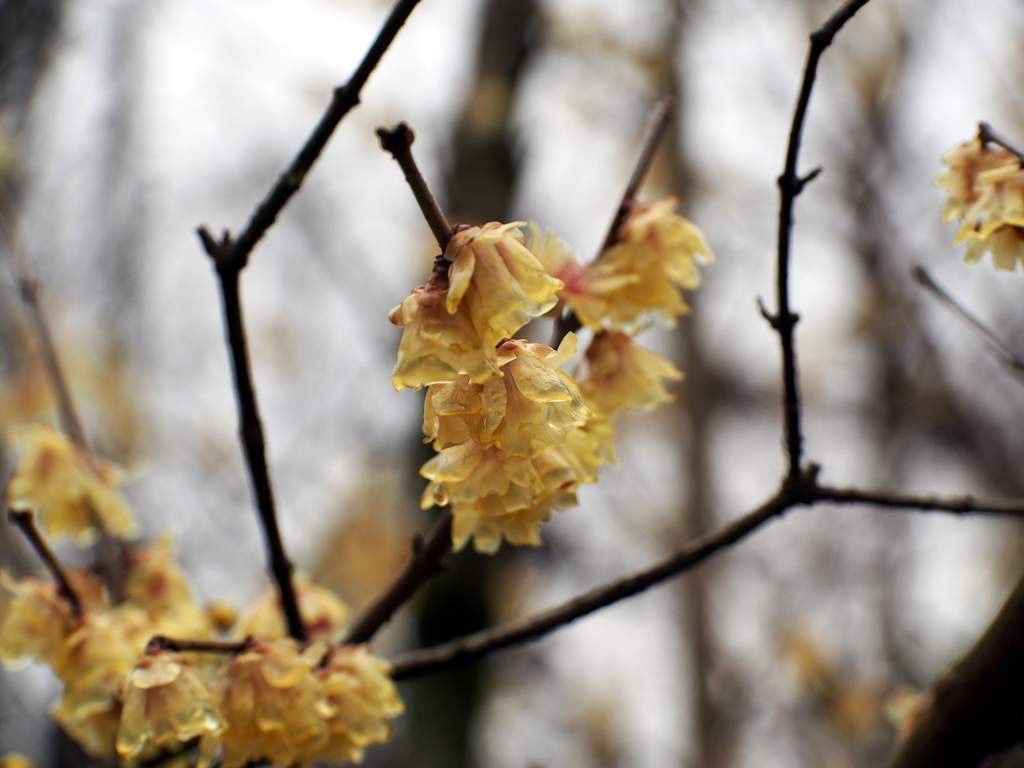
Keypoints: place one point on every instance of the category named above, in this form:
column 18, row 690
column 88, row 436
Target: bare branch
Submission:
column 161, row 643
column 26, row 524
column 425, row 562
column 398, row 141
column 998, row 347
column 988, row 135
column 790, row 185
column 345, row 98
column 28, row 287
column 804, row 492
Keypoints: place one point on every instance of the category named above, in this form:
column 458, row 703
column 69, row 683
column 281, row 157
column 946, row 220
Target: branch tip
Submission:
column 398, row 142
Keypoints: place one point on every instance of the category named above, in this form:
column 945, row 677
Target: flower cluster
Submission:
column 516, row 436
column 986, row 193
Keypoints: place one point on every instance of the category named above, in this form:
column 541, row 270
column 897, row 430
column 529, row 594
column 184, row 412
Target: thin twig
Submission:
column 26, row 524
column 997, row 346
column 398, row 141
column 345, row 98
column 28, row 287
column 989, row 135
column 424, row 564
column 790, row 185
column 657, row 122
column 161, row 643
column 804, row 492
column 250, row 429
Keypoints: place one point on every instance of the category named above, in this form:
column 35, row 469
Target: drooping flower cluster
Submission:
column 985, row 187
column 516, row 436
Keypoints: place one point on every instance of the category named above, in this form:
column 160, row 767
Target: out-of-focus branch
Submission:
column 989, row 135
column 805, row 491
column 976, row 706
column 998, row 347
column 657, row 122
column 161, row 643
column 250, row 429
column 345, row 98
column 791, row 184
column 25, row 523
column 425, row 562
column 398, row 141
column 28, row 287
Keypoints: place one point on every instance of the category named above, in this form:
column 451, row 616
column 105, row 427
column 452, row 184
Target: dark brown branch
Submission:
column 26, row 524
column 424, row 564
column 28, row 287
column 398, row 141
column 345, row 98
column 790, row 185
column 994, row 343
column 988, row 135
column 250, row 429
column 804, row 492
column 976, row 706
column 161, row 643
column 657, row 122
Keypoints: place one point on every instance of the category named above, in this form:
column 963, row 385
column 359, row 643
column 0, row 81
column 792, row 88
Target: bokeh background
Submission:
column 126, row 123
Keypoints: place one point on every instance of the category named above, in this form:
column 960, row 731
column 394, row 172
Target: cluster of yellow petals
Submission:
column 69, row 490
column 656, row 253
column 986, row 192
column 486, row 287
column 511, row 449
column 623, row 376
column 164, row 704
column 323, row 613
column 36, row 621
column 291, row 706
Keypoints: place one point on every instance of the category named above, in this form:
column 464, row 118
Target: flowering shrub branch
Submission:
column 23, row 520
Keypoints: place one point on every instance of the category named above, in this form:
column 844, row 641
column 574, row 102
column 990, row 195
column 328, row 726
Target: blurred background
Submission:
column 126, row 123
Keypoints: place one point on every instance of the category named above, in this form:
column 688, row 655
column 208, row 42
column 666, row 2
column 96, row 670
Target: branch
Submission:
column 976, row 709
column 803, row 492
column 345, row 98
column 398, row 141
column 657, row 122
column 790, row 185
column 988, row 135
column 995, row 344
column 25, row 523
column 28, row 287
column 424, row 564
column 250, row 428
column 161, row 643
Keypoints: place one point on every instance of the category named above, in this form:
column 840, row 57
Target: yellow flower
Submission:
column 662, row 250
column 623, row 375
column 364, row 700
column 164, row 704
column 93, row 661
column 155, row 582
column 494, row 273
column 273, row 707
column 527, row 410
column 436, row 345
column 69, row 489
column 37, row 621
column 966, row 162
column 323, row 613
column 14, row 760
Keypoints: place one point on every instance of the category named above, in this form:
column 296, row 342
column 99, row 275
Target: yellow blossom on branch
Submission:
column 36, row 622
column 164, row 704
column 70, row 490
column 623, row 375
column 323, row 613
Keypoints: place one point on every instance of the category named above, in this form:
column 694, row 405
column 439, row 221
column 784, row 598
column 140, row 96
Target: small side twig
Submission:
column 805, row 491
column 997, row 346
column 28, row 288
column 791, row 184
column 161, row 643
column 989, row 135
column 26, row 524
column 398, row 141
column 425, row 563
column 657, row 122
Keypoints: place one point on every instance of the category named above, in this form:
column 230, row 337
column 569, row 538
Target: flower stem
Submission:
column 26, row 524
column 398, row 141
